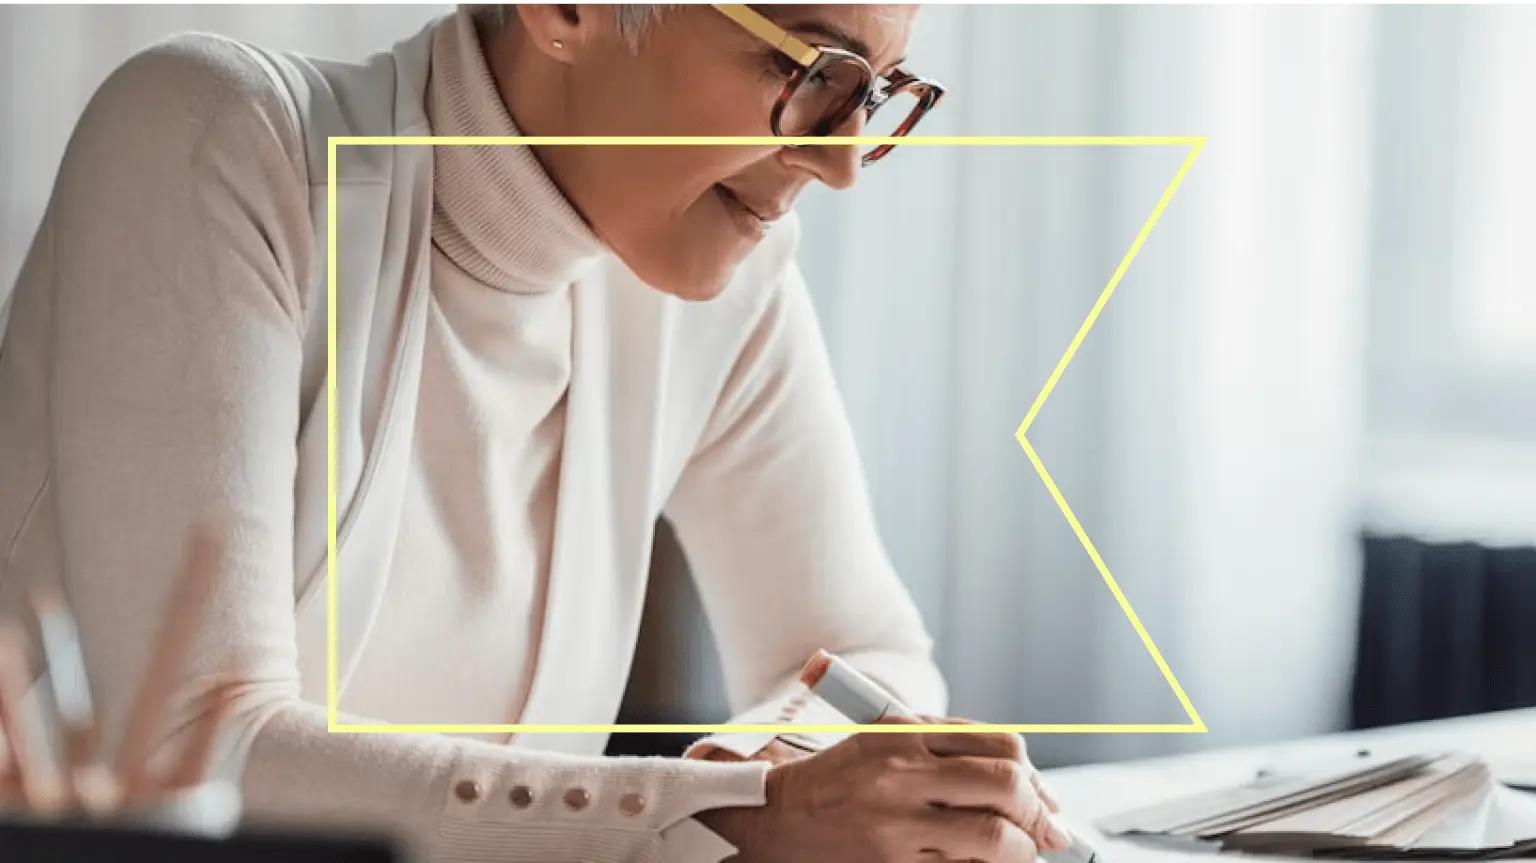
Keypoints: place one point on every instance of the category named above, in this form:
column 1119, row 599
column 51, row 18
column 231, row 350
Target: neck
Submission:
column 535, row 88
column 497, row 211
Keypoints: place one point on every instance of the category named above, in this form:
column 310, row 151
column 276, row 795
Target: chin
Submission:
column 693, row 281
column 696, row 264
column 698, row 292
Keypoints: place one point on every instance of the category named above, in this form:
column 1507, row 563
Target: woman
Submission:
column 526, row 378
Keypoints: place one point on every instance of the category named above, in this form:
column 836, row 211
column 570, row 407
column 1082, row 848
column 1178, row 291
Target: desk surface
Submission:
column 1092, row 792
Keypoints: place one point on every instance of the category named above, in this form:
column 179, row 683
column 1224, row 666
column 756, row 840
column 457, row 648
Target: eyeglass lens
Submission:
column 826, row 98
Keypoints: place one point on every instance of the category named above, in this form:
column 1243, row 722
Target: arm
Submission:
column 174, row 245
column 776, row 522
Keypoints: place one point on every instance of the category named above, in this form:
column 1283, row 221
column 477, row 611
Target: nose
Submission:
column 835, row 165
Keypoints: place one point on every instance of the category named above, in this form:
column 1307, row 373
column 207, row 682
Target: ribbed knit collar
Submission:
column 496, row 213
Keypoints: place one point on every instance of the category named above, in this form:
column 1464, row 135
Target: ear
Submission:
column 562, row 31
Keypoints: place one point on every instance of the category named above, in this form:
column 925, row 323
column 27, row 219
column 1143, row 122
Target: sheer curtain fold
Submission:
column 1206, row 431
column 1452, row 352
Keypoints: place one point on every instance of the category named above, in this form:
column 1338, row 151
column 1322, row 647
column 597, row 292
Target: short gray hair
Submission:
column 632, row 19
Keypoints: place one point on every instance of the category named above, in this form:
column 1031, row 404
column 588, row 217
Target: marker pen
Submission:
column 866, row 703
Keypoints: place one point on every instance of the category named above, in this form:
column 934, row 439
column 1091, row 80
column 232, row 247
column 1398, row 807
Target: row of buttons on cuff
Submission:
column 521, row 796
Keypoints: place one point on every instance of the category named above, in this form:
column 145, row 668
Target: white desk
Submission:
column 1089, row 793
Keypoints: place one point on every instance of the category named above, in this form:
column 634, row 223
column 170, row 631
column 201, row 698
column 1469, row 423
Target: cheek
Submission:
column 711, row 114
column 662, row 217
column 653, row 186
column 724, row 100
column 666, row 96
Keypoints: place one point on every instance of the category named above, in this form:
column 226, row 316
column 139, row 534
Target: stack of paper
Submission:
column 1445, row 806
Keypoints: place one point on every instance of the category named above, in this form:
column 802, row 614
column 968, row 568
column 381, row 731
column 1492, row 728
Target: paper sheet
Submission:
column 1451, row 809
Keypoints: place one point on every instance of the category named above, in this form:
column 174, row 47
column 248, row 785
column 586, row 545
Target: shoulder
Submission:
column 186, row 161
column 189, row 95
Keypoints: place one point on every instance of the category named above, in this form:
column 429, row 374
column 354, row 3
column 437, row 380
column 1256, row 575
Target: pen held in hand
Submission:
column 865, row 702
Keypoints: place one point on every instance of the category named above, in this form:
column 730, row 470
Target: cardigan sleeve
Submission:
column 171, row 255
column 774, row 516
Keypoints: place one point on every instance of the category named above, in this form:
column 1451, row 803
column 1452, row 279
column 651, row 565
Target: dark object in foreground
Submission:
column 649, row 744
column 52, row 843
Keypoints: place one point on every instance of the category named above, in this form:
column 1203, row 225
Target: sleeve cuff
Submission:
column 688, row 841
column 656, row 794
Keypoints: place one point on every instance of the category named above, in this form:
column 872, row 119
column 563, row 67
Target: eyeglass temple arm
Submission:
column 769, row 32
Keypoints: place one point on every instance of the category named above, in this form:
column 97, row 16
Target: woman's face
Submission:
column 683, row 217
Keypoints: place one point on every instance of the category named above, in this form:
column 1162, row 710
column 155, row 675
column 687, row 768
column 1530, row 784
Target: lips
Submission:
column 763, row 210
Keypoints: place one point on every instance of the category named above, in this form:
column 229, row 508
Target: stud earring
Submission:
column 558, row 44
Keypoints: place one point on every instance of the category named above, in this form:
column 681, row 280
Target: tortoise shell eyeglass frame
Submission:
column 813, row 60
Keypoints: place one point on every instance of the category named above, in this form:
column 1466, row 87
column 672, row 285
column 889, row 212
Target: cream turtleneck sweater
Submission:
column 473, row 558
column 151, row 372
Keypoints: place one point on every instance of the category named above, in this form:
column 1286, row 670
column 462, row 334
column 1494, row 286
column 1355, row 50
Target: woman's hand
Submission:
column 890, row 796
column 1035, row 778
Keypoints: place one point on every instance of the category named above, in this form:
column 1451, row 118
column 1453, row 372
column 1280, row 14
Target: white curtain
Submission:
column 1329, row 329
column 1452, row 355
column 1205, row 434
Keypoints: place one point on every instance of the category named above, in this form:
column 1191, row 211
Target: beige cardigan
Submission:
column 165, row 359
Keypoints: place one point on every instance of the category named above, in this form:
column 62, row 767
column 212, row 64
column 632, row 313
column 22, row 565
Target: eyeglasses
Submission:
column 830, row 85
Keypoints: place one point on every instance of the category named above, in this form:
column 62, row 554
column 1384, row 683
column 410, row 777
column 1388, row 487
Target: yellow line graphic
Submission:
column 1194, row 144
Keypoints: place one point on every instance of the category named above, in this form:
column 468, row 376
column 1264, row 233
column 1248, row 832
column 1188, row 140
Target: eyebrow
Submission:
column 835, row 34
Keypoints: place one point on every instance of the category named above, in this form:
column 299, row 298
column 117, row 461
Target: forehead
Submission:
column 878, row 32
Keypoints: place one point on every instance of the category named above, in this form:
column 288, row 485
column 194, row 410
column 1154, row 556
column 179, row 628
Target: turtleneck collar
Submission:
column 496, row 213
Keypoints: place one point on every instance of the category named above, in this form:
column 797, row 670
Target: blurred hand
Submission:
column 938, row 796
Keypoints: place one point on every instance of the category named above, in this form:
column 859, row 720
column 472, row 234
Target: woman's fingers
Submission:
column 1002, row 786
column 973, row 834
column 982, row 778
column 714, row 753
column 1044, row 791
column 981, row 744
column 1042, row 788
column 987, row 769
column 986, row 783
column 5, row 752
column 21, row 767
column 1013, row 743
